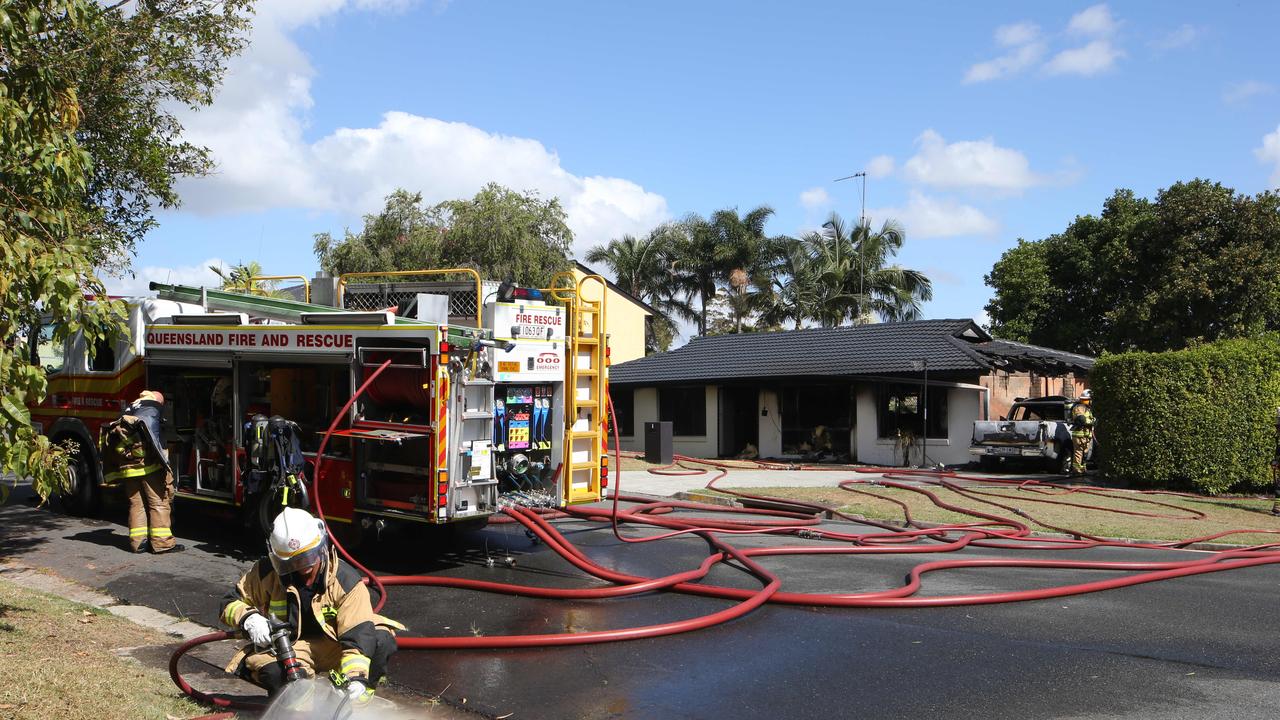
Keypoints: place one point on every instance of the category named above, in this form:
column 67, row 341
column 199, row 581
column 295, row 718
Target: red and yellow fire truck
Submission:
column 460, row 420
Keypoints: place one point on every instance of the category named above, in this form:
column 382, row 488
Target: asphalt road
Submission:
column 1199, row 647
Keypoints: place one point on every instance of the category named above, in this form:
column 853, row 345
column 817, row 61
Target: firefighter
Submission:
column 133, row 455
column 1081, row 432
column 302, row 582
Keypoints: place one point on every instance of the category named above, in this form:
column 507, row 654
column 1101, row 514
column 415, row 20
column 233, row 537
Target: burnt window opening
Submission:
column 806, row 408
column 898, row 410
column 685, row 408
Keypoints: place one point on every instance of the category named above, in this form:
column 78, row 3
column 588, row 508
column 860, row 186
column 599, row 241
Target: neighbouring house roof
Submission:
column 858, row 350
column 614, row 287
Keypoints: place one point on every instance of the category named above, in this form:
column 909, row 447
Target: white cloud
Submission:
column 198, row 274
column 1096, row 21
column 1241, row 91
column 1180, row 38
column 815, row 198
column 927, row 217
column 256, row 132
column 880, row 166
column 973, row 164
column 1011, row 64
column 1096, row 57
column 1017, row 34
column 1270, row 153
column 1024, row 38
column 1030, row 46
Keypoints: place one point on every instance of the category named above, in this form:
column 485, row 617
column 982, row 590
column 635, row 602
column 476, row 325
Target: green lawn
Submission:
column 1222, row 513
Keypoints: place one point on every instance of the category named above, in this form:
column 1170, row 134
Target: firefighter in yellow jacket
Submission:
column 303, row 582
column 133, row 456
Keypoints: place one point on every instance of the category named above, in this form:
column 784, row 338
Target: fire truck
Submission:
column 455, row 421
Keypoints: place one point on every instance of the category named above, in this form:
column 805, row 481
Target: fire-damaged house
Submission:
column 865, row 393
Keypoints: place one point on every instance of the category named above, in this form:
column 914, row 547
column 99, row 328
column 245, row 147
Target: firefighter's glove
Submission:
column 258, row 628
column 356, row 690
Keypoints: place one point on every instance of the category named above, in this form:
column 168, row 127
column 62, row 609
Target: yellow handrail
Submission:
column 342, row 283
column 306, row 286
column 555, row 290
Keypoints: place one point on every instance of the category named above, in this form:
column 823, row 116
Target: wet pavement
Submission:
column 1198, row 647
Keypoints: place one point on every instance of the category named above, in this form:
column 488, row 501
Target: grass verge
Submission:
column 1222, row 514
column 59, row 663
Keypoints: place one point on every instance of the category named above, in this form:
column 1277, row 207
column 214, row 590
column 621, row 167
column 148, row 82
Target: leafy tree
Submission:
column 404, row 236
column 507, row 235
column 134, row 64
column 84, row 151
column 1022, row 275
column 1199, row 263
column 500, row 233
column 644, row 268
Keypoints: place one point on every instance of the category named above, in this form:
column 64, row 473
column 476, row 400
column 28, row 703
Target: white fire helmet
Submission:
column 298, row 540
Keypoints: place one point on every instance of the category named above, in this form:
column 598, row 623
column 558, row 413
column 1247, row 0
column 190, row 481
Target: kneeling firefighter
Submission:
column 303, row 582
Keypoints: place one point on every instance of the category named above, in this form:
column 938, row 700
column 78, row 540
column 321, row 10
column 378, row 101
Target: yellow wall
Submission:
column 624, row 322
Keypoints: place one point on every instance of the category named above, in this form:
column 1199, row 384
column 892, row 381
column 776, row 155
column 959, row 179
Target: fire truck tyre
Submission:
column 81, row 497
column 270, row 504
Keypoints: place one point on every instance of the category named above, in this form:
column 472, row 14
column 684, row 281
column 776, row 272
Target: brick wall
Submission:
column 1006, row 386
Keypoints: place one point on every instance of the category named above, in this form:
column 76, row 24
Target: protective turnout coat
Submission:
column 341, row 608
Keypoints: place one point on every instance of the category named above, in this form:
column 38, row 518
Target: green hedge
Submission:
column 1202, row 418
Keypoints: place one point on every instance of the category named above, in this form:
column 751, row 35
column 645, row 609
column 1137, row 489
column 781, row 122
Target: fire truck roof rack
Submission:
column 292, row 311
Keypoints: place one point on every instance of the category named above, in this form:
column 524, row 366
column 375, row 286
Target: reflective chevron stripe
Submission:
column 355, row 664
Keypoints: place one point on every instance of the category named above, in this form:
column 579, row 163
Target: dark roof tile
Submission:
column 885, row 348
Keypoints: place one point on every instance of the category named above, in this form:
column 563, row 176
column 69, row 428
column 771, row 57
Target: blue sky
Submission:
column 977, row 123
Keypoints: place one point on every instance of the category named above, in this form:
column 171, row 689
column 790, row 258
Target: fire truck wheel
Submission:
column 81, row 497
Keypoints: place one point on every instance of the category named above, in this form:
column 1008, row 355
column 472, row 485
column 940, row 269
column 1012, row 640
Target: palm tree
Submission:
column 836, row 275
column 240, row 278
column 742, row 257
column 694, row 267
column 792, row 281
column 726, row 250
column 644, row 268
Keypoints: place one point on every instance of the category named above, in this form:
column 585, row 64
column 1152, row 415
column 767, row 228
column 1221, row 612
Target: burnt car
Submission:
column 1037, row 431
